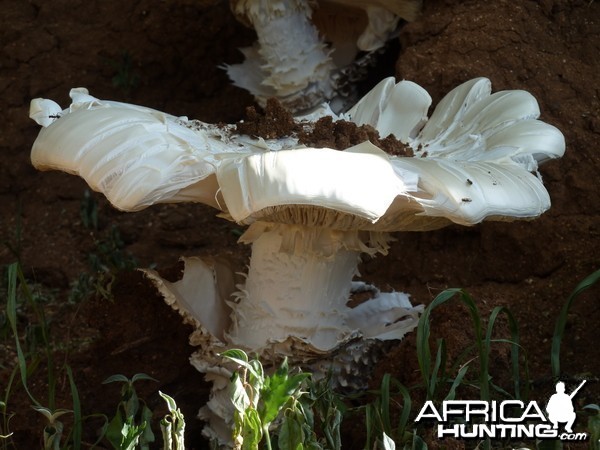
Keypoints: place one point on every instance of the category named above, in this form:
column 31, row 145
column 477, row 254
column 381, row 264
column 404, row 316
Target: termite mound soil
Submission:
column 275, row 122
column 167, row 55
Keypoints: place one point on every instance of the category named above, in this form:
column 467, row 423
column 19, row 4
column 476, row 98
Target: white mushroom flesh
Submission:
column 289, row 61
column 312, row 212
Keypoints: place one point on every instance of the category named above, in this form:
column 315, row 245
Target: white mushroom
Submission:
column 311, row 211
column 291, row 60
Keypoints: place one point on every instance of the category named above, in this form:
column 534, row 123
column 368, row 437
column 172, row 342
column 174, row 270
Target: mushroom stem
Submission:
column 292, row 290
column 291, row 62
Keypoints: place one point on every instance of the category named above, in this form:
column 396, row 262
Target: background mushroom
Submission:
column 311, row 211
column 302, row 46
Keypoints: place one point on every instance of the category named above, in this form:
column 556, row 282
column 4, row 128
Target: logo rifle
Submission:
column 577, row 389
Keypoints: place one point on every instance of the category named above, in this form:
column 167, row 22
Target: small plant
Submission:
column 5, row 432
column 435, row 373
column 28, row 360
column 561, row 322
column 14, row 242
column 324, row 410
column 108, row 258
column 130, row 427
column 54, row 428
column 378, row 415
column 172, row 426
column 19, row 291
column 260, row 399
column 441, row 380
column 593, row 411
column 126, row 78
column 110, row 254
column 593, row 425
column 88, row 211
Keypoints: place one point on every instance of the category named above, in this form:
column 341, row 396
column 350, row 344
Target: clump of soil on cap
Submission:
column 341, row 134
column 276, row 122
column 273, row 122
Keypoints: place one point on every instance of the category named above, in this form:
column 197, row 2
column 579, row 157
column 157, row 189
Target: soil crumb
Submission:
column 341, row 134
column 276, row 122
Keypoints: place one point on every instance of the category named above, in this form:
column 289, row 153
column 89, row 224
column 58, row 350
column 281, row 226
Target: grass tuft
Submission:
column 561, row 322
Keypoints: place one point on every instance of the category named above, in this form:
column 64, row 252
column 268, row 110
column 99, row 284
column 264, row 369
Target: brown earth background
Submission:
column 174, row 49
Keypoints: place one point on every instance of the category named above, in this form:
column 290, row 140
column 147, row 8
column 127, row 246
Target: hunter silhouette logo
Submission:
column 513, row 419
column 560, row 407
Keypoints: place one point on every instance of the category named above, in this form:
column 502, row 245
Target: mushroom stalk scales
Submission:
column 290, row 60
column 302, row 295
column 303, row 65
column 293, row 288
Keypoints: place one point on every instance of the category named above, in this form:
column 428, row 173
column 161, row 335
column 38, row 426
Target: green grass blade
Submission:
column 440, row 364
column 385, row 404
column 370, row 424
column 406, row 408
column 457, row 381
column 11, row 313
column 593, row 425
column 77, row 421
column 418, row 443
column 423, row 333
column 514, row 340
column 45, row 334
column 559, row 329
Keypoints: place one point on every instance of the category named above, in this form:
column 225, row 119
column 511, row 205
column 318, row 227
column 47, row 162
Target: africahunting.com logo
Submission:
column 508, row 419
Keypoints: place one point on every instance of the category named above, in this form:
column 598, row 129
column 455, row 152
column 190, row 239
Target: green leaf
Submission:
column 311, row 442
column 424, row 353
column 172, row 426
column 147, row 435
column 305, row 408
column 236, row 354
column 514, row 343
column 561, row 322
column 142, row 376
column 332, row 428
column 14, row 276
column 239, row 396
column 171, row 405
column 456, row 382
column 116, row 377
column 131, row 403
column 114, row 431
column 251, row 430
column 52, row 436
column 78, row 420
column 240, row 358
column 291, row 436
column 593, row 425
column 388, row 443
column 278, row 390
column 51, row 416
column 130, row 436
column 418, row 443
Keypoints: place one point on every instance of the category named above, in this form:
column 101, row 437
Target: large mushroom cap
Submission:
column 135, row 156
column 476, row 159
